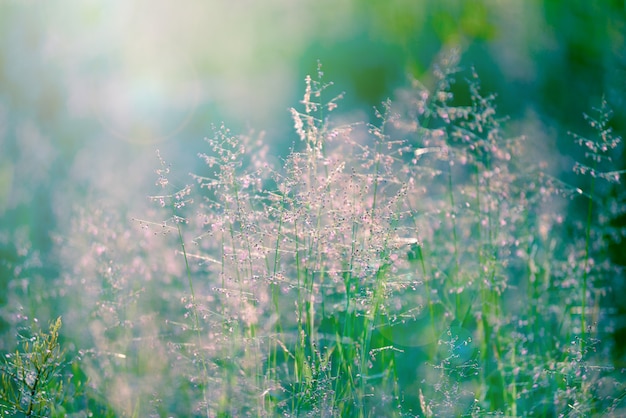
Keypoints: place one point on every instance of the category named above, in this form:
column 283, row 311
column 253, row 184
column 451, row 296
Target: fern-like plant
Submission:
column 30, row 384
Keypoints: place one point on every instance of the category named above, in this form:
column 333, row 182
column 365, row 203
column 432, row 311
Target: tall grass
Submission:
column 421, row 264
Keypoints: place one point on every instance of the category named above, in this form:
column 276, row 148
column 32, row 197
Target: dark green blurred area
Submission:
column 89, row 91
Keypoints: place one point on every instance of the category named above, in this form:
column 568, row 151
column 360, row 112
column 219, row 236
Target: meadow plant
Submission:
column 392, row 267
column 31, row 384
column 420, row 264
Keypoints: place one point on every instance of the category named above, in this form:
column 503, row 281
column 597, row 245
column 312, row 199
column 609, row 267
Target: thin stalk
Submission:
column 513, row 400
column 194, row 308
column 455, row 241
column 277, row 254
column 583, row 322
column 368, row 326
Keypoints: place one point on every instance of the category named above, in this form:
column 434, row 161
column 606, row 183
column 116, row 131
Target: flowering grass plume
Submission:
column 422, row 263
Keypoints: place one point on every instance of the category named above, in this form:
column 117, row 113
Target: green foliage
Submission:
column 31, row 383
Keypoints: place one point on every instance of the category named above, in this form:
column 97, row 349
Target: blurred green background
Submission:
column 90, row 89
